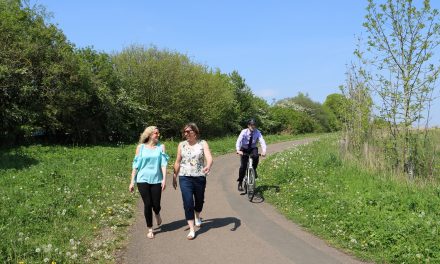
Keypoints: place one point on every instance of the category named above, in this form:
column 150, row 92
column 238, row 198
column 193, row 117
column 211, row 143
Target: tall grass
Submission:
column 373, row 216
column 68, row 204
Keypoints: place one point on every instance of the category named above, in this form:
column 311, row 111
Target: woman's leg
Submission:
column 187, row 189
column 199, row 198
column 199, row 193
column 156, row 194
column 144, row 190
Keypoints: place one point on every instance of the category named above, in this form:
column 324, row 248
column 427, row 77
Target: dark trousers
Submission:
column 244, row 161
column 151, row 195
column 193, row 194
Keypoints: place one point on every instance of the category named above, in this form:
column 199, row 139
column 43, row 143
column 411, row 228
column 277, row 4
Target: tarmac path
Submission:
column 233, row 230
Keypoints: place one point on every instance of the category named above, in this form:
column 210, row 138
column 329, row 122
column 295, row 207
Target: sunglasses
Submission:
column 156, row 133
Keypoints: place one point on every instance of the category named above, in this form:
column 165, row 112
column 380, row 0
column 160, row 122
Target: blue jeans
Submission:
column 193, row 194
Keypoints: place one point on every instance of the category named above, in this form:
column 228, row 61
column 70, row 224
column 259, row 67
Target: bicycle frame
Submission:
column 249, row 179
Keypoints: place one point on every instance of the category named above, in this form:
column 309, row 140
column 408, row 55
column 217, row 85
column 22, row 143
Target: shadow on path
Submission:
column 218, row 223
column 173, row 226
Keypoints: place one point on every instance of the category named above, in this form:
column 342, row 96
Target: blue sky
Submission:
column 280, row 47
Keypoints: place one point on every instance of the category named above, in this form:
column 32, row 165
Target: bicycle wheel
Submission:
column 245, row 184
column 251, row 184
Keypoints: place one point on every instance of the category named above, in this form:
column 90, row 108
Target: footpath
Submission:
column 233, row 230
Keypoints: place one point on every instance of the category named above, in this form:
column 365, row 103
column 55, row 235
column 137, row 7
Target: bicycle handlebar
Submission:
column 248, row 154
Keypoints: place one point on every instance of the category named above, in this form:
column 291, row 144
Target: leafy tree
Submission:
column 167, row 89
column 303, row 103
column 245, row 98
column 402, row 37
column 335, row 105
column 290, row 121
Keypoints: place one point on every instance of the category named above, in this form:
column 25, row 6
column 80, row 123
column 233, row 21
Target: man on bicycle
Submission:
column 247, row 144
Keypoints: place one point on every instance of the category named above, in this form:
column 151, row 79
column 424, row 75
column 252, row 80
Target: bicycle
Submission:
column 249, row 179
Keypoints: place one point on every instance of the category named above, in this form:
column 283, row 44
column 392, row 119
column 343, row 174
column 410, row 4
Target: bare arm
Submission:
column 134, row 171
column 164, row 172
column 208, row 158
column 177, row 165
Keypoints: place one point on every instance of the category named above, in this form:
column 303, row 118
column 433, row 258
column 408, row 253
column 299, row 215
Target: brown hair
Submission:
column 193, row 127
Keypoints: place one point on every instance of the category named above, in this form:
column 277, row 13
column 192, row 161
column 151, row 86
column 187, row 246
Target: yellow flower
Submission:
column 21, row 262
column 53, row 262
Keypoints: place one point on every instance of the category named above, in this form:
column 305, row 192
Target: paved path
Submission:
column 233, row 231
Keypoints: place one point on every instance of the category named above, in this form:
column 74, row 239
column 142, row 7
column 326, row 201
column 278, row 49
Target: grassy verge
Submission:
column 371, row 216
column 71, row 204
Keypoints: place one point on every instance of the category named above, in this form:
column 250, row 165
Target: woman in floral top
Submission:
column 193, row 163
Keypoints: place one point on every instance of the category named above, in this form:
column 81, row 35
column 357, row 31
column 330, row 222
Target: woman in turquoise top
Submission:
column 149, row 173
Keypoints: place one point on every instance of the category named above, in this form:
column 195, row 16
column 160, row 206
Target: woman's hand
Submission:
column 206, row 170
column 131, row 187
column 164, row 185
column 175, row 181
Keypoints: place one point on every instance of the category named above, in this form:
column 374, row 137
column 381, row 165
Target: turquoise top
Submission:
column 148, row 163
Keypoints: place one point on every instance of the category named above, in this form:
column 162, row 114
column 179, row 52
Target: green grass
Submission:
column 371, row 216
column 71, row 204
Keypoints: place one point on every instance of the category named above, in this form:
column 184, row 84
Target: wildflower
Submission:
column 53, row 262
column 46, row 260
column 38, row 250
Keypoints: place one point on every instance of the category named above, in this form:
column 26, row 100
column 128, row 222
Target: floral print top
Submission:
column 193, row 159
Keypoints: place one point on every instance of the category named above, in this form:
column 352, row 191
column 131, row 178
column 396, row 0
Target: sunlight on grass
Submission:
column 71, row 204
column 371, row 216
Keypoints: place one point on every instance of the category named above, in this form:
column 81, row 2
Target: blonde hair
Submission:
column 145, row 136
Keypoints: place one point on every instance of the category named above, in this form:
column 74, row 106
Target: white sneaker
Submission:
column 198, row 222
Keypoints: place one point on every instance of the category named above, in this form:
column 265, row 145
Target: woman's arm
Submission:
column 134, row 171
column 177, row 165
column 208, row 158
column 164, row 171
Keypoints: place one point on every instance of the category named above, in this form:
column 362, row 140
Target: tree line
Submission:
column 54, row 91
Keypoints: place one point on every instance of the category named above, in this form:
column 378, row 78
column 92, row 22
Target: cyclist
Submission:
column 247, row 144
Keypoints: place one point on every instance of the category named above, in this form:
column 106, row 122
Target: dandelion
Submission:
column 53, row 262
column 38, row 250
column 46, row 260
column 72, row 241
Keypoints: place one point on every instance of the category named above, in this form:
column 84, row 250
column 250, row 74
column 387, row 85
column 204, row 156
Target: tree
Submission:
column 336, row 105
column 303, row 103
column 402, row 38
column 244, row 97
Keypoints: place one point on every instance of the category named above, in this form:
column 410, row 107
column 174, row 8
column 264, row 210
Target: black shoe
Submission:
column 240, row 187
